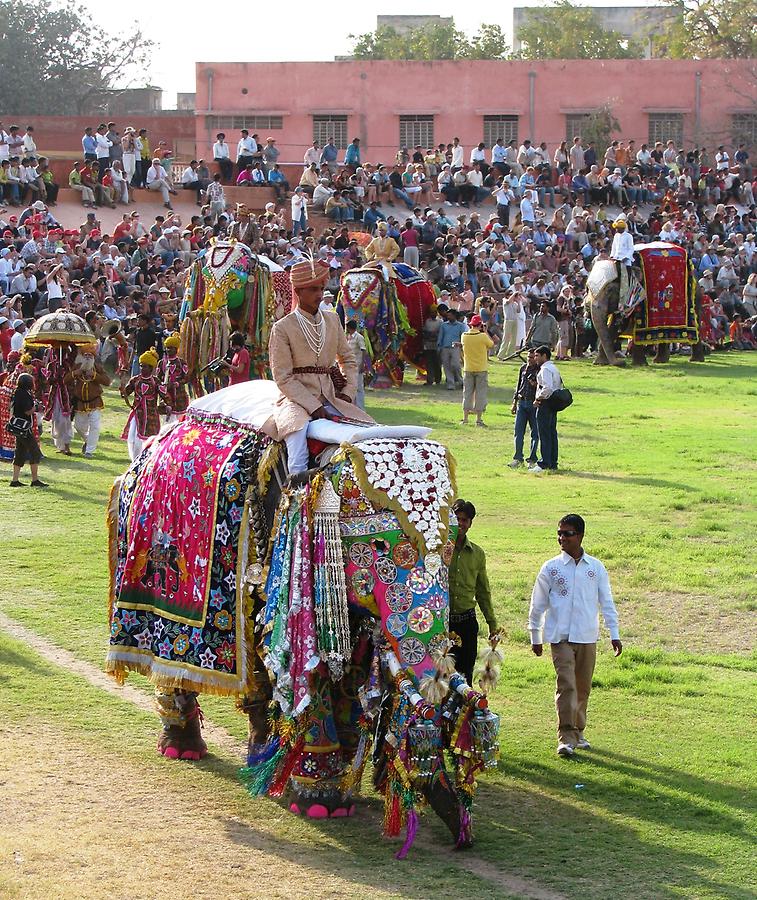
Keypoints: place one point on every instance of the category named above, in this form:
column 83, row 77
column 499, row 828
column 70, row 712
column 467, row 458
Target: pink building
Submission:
column 390, row 104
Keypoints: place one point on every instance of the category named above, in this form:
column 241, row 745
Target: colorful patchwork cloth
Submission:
column 177, row 611
column 387, row 576
column 669, row 313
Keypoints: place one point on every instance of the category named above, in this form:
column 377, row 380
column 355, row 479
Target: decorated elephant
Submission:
column 228, row 287
column 390, row 307
column 664, row 305
column 322, row 608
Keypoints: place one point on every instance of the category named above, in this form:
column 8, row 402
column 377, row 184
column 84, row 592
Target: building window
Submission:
column 575, row 124
column 416, row 131
column 327, row 128
column 237, row 123
column 495, row 127
column 666, row 127
column 745, row 129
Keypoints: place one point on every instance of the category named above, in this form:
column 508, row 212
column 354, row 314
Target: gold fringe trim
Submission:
column 111, row 519
column 120, row 670
column 381, row 500
column 268, row 463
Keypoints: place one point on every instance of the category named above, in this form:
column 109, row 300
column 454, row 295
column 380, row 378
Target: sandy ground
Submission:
column 75, row 824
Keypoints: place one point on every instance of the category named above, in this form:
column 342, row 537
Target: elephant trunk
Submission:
column 599, row 311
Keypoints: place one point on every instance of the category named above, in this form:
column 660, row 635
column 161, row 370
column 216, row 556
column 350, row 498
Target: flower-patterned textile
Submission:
column 413, row 477
column 177, row 611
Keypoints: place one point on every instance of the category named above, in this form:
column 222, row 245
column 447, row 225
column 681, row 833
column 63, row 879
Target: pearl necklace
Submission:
column 312, row 331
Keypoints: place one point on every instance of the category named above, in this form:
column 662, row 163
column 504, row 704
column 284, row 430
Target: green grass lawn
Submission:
column 661, row 464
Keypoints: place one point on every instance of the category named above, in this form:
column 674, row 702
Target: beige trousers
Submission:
column 574, row 666
column 475, row 392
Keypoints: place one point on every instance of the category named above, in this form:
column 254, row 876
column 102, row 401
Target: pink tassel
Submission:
column 412, row 830
column 465, row 828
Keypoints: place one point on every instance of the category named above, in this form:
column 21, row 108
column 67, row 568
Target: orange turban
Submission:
column 310, row 273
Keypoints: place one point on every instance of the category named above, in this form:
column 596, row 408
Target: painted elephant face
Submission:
column 361, row 297
column 389, row 578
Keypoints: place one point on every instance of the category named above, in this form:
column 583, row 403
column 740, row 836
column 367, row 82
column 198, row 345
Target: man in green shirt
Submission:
column 468, row 586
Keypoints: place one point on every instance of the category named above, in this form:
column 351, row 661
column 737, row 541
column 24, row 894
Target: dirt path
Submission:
column 62, row 834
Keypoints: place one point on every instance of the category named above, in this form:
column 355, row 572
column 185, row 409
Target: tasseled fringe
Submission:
column 392, row 812
column 281, row 779
column 268, row 463
column 466, row 835
column 434, row 688
column 443, row 658
column 353, row 777
column 412, row 830
column 490, row 664
column 258, row 778
column 263, row 755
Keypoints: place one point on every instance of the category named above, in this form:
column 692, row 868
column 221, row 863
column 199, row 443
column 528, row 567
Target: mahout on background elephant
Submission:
column 322, row 608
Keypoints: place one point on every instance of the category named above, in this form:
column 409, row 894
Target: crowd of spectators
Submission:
column 533, row 246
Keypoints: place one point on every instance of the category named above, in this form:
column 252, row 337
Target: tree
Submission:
column 437, row 41
column 709, row 28
column 566, row 31
column 599, row 128
column 55, row 61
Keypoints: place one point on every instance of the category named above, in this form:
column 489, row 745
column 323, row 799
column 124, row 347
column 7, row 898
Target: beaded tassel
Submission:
column 334, row 643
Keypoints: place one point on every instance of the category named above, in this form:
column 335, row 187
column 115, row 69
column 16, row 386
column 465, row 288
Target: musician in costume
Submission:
column 58, row 402
column 173, row 375
column 382, row 251
column 85, row 384
column 622, row 252
column 312, row 364
column 143, row 421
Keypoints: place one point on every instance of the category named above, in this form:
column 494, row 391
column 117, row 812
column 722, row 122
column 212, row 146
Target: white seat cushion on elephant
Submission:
column 251, row 403
column 602, row 273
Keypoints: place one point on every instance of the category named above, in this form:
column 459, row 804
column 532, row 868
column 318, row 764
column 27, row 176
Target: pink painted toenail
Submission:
column 317, row 811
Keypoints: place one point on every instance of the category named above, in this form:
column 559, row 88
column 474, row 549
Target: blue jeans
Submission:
column 398, row 192
column 299, row 225
column 543, row 191
column 525, row 414
column 546, row 421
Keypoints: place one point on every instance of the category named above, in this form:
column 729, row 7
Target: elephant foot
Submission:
column 183, row 742
column 319, row 811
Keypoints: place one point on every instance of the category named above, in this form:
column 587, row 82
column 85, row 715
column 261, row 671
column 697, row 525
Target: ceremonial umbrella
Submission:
column 59, row 328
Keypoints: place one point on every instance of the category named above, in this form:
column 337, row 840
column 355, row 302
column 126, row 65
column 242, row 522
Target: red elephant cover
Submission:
column 669, row 313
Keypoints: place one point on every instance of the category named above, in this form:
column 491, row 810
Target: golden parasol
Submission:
column 60, row 328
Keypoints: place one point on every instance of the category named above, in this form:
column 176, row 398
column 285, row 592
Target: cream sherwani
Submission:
column 303, row 393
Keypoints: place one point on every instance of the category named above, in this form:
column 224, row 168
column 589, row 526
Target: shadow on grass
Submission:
column 579, row 843
column 640, row 480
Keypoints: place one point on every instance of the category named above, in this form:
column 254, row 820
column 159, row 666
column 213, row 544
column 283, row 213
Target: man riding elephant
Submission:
column 313, row 366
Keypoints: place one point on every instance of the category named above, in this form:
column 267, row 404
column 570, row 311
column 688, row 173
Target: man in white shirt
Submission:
column 527, row 213
column 458, row 155
column 5, row 150
column 190, row 180
column 622, row 252
column 246, row 148
column 222, row 155
column 157, row 181
column 19, row 335
column 312, row 155
column 548, row 381
column 499, row 156
column 102, row 150
column 576, row 156
column 569, row 592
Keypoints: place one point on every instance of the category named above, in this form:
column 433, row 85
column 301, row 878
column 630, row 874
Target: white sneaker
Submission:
column 515, row 464
column 564, row 749
column 582, row 743
column 536, row 468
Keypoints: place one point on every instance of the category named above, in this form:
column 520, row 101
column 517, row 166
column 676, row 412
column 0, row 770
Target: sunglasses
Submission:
column 567, row 533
